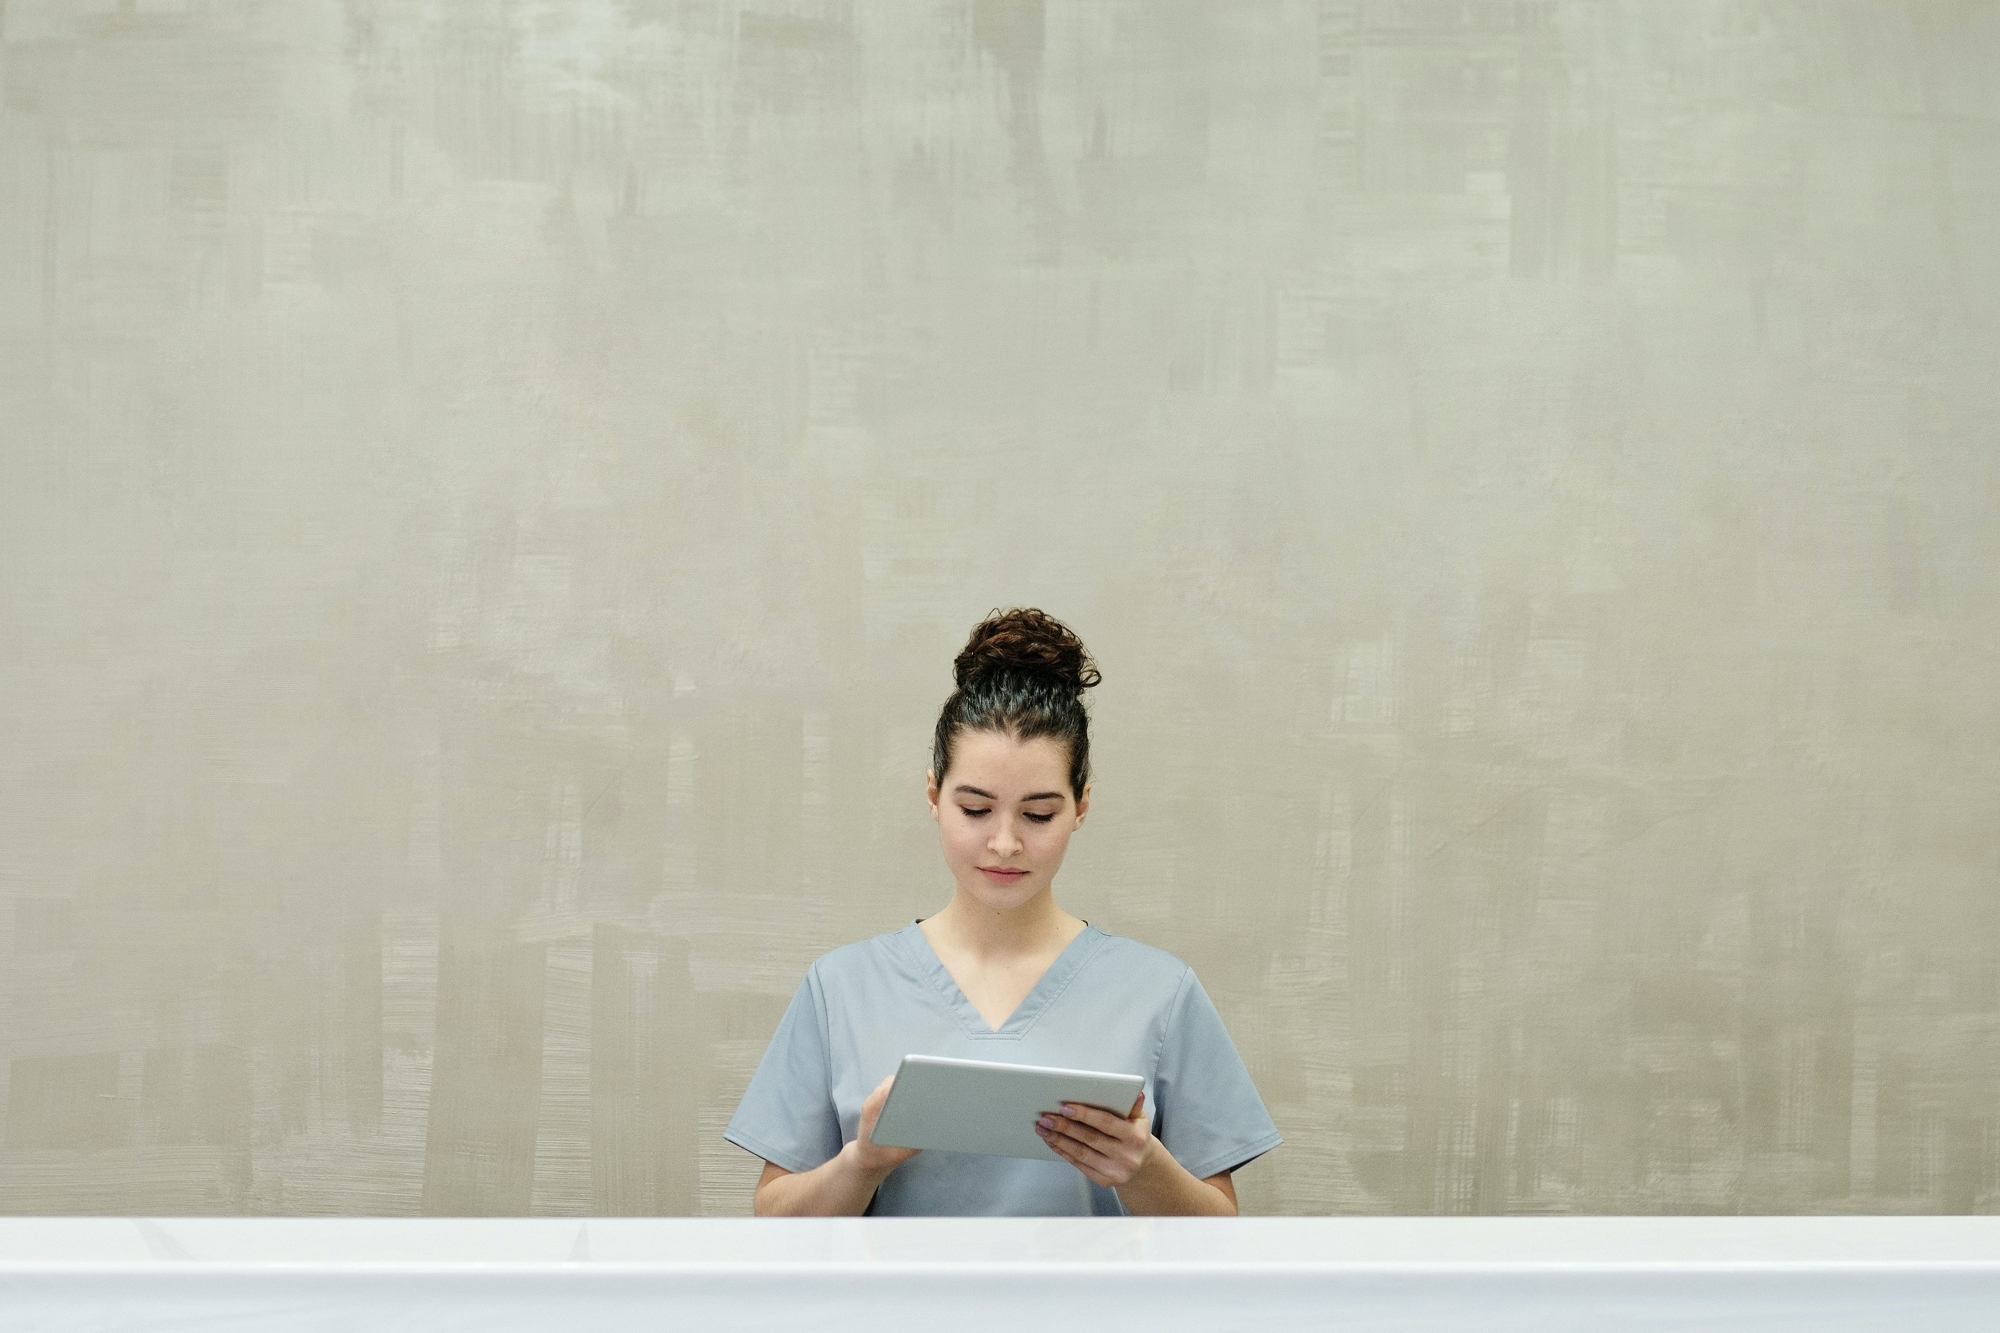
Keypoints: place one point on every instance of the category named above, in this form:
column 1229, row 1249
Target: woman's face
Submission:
column 1005, row 815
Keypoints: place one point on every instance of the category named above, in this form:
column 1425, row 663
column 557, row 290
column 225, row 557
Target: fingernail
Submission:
column 1068, row 1109
column 1045, row 1123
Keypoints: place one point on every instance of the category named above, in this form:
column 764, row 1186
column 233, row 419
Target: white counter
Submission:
column 1827, row 1275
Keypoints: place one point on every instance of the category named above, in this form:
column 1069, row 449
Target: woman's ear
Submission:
column 1083, row 805
column 931, row 792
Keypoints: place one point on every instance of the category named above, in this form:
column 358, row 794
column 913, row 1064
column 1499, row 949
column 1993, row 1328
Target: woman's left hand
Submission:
column 1107, row 1149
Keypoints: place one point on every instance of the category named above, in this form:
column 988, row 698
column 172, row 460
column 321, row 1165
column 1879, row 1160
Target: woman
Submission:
column 1002, row 973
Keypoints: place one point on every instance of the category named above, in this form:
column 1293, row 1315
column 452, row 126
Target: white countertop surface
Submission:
column 497, row 1275
column 1319, row 1242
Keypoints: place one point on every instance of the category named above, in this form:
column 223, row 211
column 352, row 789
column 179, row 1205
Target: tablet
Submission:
column 981, row 1107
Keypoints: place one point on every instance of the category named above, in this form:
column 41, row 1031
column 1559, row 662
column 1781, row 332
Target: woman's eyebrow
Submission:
column 987, row 795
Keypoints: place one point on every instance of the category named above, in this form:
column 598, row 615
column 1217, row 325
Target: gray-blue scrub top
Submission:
column 1107, row 1003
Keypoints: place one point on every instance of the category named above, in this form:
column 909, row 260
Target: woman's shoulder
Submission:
column 1142, row 964
column 863, row 957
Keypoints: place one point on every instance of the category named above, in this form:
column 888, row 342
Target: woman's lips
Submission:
column 1001, row 876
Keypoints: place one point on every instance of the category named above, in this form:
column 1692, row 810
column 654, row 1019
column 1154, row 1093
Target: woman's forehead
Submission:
column 987, row 758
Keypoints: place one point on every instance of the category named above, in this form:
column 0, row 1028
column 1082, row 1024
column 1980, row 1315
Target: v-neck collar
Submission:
column 1046, row 990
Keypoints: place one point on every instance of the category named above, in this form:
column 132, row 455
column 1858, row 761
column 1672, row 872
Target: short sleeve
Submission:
column 1209, row 1115
column 787, row 1115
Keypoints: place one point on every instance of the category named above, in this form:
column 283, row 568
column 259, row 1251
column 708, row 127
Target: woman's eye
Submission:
column 1040, row 819
column 975, row 813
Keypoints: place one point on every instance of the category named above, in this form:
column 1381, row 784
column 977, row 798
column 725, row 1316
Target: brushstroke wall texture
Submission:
column 489, row 493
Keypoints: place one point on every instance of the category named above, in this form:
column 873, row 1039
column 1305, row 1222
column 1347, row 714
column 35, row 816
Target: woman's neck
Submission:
column 1036, row 926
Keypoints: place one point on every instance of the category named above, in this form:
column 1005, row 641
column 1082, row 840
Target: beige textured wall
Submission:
column 489, row 492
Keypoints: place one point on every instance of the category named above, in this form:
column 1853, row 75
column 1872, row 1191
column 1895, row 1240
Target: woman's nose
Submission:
column 1005, row 841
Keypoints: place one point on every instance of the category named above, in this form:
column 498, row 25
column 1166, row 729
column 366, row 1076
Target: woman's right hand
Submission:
column 875, row 1159
column 842, row 1186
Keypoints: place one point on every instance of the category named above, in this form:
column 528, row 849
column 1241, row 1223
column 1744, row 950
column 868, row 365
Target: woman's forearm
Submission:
column 1165, row 1188
column 839, row 1187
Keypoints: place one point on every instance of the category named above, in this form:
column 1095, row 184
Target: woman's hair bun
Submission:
column 1025, row 642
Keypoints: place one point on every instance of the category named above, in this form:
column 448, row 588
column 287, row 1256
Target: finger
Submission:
column 1116, row 1159
column 871, row 1108
column 1072, row 1130
column 1096, row 1138
column 1082, row 1158
column 1103, row 1169
column 1096, row 1119
column 1138, row 1107
column 1134, row 1126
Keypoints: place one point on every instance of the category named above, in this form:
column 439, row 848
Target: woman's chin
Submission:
column 1000, row 897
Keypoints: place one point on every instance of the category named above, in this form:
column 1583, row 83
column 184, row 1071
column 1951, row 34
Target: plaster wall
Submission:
column 489, row 493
